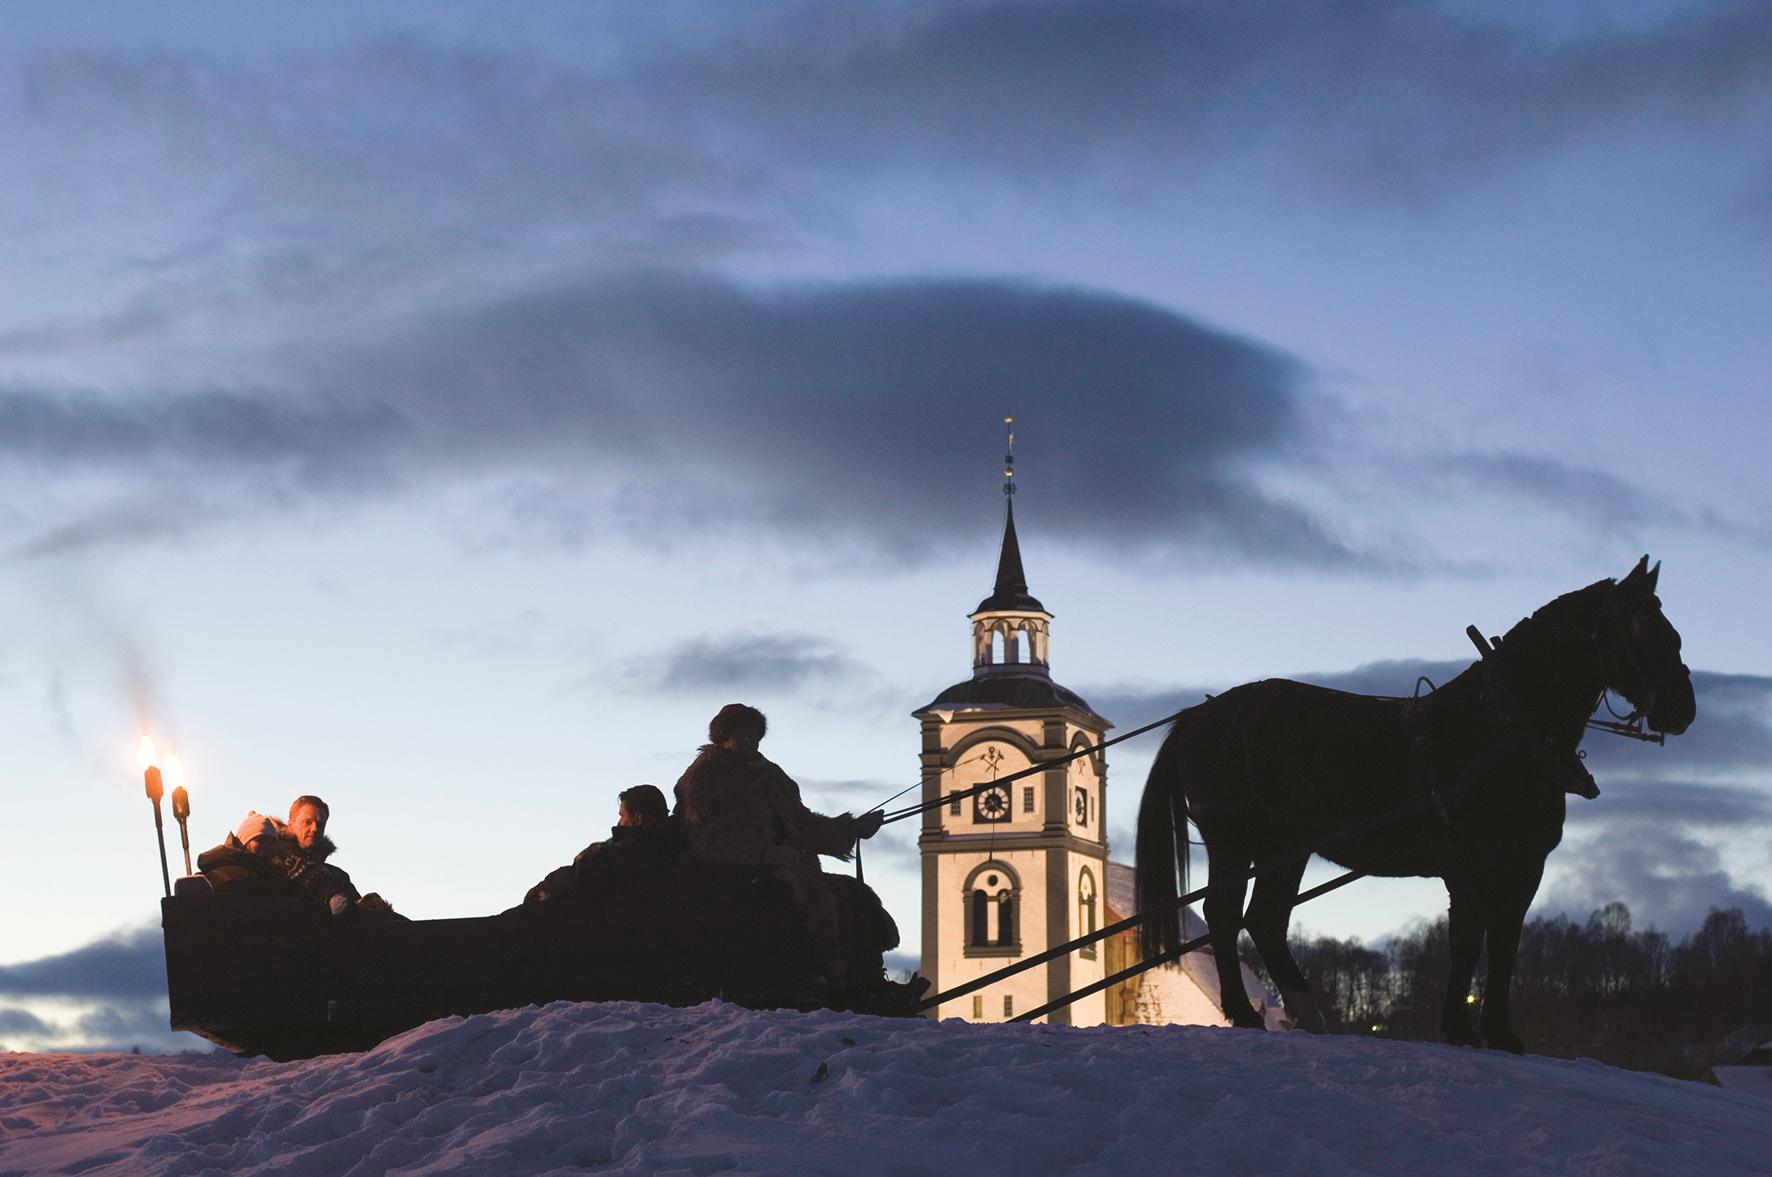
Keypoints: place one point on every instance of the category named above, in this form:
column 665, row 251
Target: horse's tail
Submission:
column 1162, row 855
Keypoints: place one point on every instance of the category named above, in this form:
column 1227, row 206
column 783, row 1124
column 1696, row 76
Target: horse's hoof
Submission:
column 1463, row 1036
column 1304, row 1011
column 1248, row 1021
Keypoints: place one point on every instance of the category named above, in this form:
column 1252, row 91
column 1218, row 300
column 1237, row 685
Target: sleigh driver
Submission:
column 738, row 806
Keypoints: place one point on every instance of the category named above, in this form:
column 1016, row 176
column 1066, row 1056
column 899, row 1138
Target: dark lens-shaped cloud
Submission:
column 857, row 414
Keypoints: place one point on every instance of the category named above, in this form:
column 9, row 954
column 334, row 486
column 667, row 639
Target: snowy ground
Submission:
column 719, row 1089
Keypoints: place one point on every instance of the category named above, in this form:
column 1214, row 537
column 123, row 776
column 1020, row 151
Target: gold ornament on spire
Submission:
column 1009, row 458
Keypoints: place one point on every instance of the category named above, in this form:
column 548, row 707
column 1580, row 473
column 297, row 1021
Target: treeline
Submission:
column 1597, row 990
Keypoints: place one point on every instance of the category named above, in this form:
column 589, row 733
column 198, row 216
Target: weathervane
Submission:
column 1009, row 458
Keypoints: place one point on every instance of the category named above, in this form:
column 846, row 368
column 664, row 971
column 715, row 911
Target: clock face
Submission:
column 1080, row 802
column 992, row 804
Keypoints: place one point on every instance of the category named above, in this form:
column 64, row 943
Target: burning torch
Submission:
column 181, row 805
column 156, row 790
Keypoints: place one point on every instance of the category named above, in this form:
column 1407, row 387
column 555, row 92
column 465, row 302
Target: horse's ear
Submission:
column 1640, row 573
column 1654, row 575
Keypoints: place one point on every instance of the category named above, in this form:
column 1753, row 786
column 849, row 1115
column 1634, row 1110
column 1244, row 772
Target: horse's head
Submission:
column 1642, row 653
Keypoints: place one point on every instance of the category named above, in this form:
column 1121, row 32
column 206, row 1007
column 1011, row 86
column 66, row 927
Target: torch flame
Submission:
column 146, row 752
column 175, row 772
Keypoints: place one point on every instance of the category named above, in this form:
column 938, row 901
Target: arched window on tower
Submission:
column 996, row 647
column 1086, row 910
column 992, row 906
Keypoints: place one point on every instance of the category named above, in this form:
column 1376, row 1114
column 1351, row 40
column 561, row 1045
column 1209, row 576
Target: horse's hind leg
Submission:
column 1270, row 912
column 1228, row 858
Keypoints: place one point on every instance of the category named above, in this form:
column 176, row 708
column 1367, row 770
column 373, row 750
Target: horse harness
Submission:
column 1564, row 770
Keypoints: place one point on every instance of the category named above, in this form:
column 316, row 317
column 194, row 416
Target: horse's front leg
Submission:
column 1465, row 922
column 1228, row 859
column 1507, row 916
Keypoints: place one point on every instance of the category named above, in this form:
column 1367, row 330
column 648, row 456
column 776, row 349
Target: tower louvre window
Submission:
column 1086, row 910
column 992, row 909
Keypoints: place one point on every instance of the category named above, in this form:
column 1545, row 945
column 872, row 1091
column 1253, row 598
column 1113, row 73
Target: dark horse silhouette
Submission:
column 1272, row 766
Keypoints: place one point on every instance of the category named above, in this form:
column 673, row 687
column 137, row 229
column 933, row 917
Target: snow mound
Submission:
column 719, row 1089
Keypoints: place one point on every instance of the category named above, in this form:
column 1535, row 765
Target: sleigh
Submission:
column 289, row 980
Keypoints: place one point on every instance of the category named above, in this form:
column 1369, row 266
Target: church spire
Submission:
column 1011, row 591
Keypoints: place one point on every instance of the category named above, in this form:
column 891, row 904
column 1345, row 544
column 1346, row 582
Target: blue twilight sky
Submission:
column 446, row 408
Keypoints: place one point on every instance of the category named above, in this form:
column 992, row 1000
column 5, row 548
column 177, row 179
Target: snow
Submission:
column 718, row 1089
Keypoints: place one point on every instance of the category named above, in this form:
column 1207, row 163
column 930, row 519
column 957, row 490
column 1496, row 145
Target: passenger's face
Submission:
column 263, row 847
column 745, row 739
column 628, row 817
column 306, row 825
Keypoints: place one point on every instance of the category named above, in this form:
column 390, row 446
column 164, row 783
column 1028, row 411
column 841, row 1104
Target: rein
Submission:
column 1055, row 762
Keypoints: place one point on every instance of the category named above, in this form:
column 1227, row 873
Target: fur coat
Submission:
column 310, row 875
column 232, row 869
column 736, row 805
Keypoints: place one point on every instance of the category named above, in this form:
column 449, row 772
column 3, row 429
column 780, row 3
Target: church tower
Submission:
column 1018, row 869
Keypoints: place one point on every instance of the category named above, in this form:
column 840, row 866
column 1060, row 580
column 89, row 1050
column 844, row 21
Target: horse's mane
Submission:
column 1579, row 607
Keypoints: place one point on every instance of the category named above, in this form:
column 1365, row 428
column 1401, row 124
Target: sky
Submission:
column 445, row 409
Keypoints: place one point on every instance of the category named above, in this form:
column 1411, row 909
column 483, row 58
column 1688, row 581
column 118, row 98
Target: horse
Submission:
column 1478, row 767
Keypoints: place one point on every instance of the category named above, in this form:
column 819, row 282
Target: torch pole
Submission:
column 151, row 777
column 181, row 809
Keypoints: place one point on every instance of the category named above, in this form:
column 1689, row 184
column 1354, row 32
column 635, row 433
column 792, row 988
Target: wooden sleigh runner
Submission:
column 288, row 980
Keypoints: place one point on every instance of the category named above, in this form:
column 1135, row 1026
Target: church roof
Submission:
column 1011, row 593
column 1020, row 691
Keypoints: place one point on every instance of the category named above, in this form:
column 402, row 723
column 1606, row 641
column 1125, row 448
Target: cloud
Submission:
column 1678, row 803
column 107, row 995
column 661, row 406
column 1603, row 504
column 1388, row 99
column 23, row 1023
column 1667, row 879
column 127, row 965
column 745, row 663
column 378, row 146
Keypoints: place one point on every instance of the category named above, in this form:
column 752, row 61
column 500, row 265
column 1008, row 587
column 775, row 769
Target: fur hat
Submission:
column 736, row 717
column 256, row 825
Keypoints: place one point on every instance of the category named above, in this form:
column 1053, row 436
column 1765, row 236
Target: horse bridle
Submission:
column 1623, row 654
